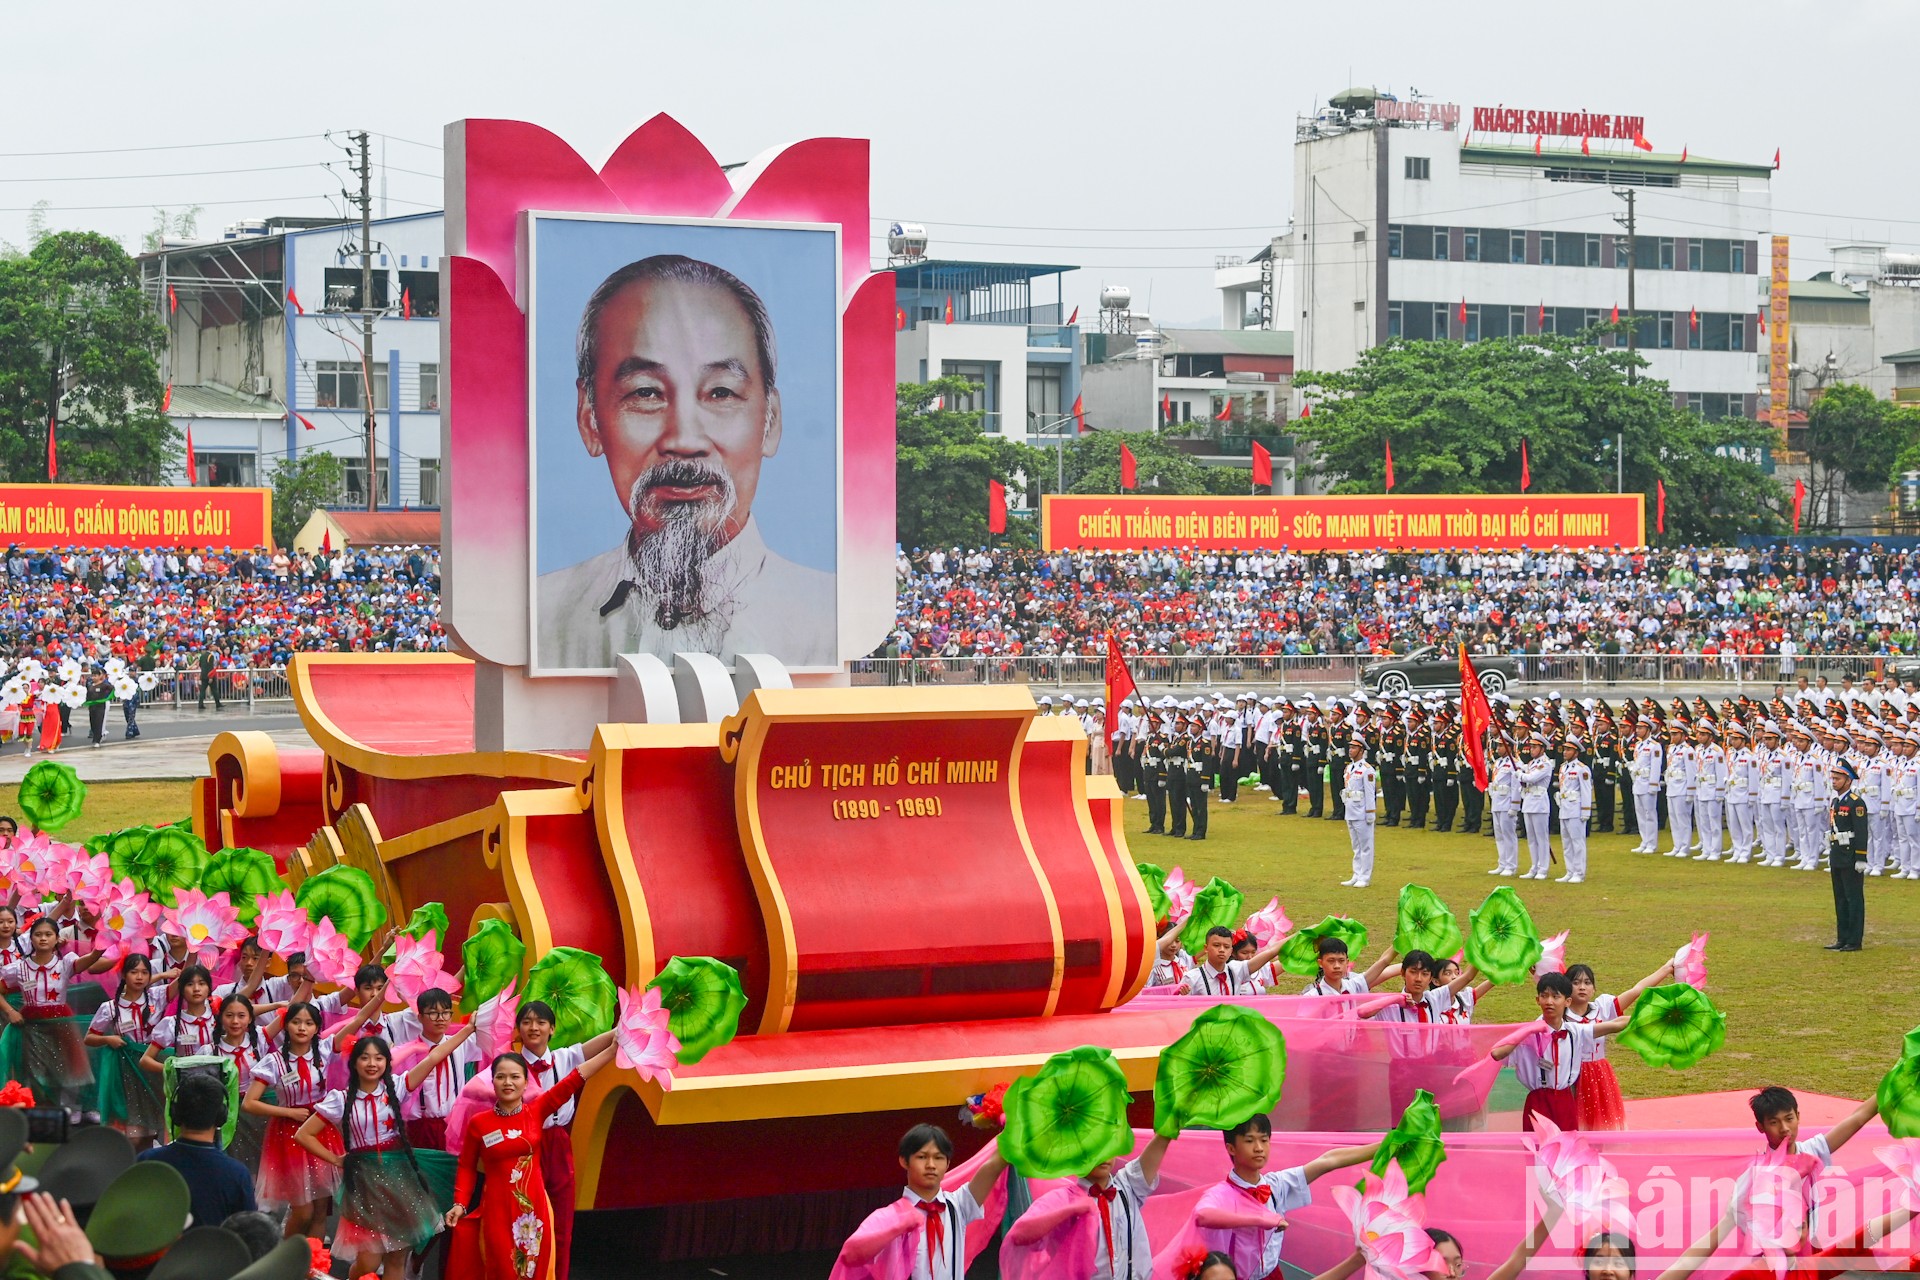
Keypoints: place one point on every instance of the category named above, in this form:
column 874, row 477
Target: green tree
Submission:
column 301, row 486
column 1093, row 466
column 183, row 225
column 1456, row 413
column 943, row 462
column 1854, row 441
column 77, row 334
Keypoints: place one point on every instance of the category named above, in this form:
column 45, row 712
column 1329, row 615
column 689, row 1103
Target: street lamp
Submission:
column 1060, row 448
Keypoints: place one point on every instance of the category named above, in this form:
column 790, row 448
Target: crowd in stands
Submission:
column 1782, row 601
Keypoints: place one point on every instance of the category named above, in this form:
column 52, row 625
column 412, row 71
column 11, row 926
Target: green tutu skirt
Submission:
column 129, row 1099
column 385, row 1205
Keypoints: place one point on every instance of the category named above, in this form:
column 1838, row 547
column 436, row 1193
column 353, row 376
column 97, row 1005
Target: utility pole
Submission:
column 365, row 199
column 1633, row 317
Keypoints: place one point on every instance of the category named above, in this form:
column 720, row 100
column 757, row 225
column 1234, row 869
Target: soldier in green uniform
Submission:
column 1314, row 744
column 1392, row 768
column 1442, row 767
column 1203, row 759
column 1176, row 761
column 1846, row 858
column 1606, row 775
column 1418, row 761
column 1285, row 754
column 1153, row 777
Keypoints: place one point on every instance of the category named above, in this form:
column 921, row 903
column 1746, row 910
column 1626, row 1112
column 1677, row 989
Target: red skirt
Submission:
column 1557, row 1105
column 289, row 1174
column 1598, row 1093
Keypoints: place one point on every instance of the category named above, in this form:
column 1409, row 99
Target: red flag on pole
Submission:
column 1763, row 320
column 1080, row 415
column 1226, row 411
column 193, row 467
column 1693, row 318
column 1776, row 157
column 406, row 303
column 1463, row 312
column 899, row 319
column 326, row 539
column 996, row 507
column 1129, row 469
column 1120, row 685
column 1389, row 466
column 1074, row 318
column 1799, row 502
column 1306, row 409
column 1640, row 141
column 1468, row 140
column 173, row 300
column 1659, row 506
column 293, row 300
column 166, row 398
column 1262, row 465
column 949, row 315
column 304, row 422
column 1542, row 321
column 1476, row 719
column 1536, row 143
column 1616, row 314
column 53, row 450
column 1683, row 153
column 1585, row 150
column 1526, row 472
column 1166, row 408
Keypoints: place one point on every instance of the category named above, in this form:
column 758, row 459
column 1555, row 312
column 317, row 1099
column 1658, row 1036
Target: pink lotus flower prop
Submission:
column 94, row 881
column 1389, row 1226
column 1902, row 1159
column 642, row 1041
column 210, row 925
column 1772, row 1222
column 1270, row 923
column 1690, row 963
column 1180, row 893
column 283, row 924
column 494, row 1021
column 1588, row 1187
column 129, row 920
column 1553, row 954
column 418, row 966
column 330, row 956
column 30, row 856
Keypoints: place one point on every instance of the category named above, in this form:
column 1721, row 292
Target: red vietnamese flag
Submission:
column 1526, row 472
column 1476, row 719
column 1226, row 411
column 1120, row 685
column 406, row 303
column 1693, row 318
column 1468, row 140
column 1616, row 314
column 326, row 540
column 1776, row 157
column 1585, row 150
column 1166, row 408
column 293, row 300
column 949, row 313
column 1763, row 321
column 1463, row 313
column 1542, row 321
column 1683, row 153
column 899, row 319
column 1262, row 465
column 1389, row 466
column 1074, row 318
column 193, row 467
column 1640, row 141
column 173, row 300
column 1129, row 469
column 1536, row 143
column 1080, row 415
column 1799, row 502
column 1659, row 506
column 996, row 507
column 166, row 398
column 1306, row 409
column 53, row 450
column 304, row 422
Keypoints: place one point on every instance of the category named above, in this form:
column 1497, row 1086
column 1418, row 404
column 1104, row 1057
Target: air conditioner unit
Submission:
column 262, row 386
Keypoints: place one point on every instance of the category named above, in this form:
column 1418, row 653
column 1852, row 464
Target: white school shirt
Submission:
column 292, row 1086
column 1267, row 976
column 272, row 991
column 130, row 1019
column 1549, row 1060
column 1817, row 1147
column 395, row 1028
column 1290, row 1192
column 550, row 1071
column 1351, row 985
column 187, row 1034
column 243, row 1056
column 1434, row 1000
column 372, row 1122
column 434, row 1099
column 958, row 1209
column 1461, row 1009
column 1205, row 980
column 1603, row 1009
column 1129, row 1226
column 42, row 985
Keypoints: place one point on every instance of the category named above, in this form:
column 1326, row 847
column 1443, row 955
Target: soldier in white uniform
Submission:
column 1809, row 808
column 1576, row 807
column 1905, row 786
column 1776, row 786
column 1680, row 764
column 1876, row 790
column 1743, row 791
column 1709, row 790
column 1360, row 793
column 1646, row 765
column 1536, row 776
column 1503, row 801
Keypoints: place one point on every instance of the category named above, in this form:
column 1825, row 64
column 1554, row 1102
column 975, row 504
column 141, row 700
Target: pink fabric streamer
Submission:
column 883, row 1247
column 1057, row 1238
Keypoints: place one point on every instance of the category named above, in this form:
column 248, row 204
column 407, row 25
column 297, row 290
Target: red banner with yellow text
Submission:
column 110, row 515
column 1417, row 522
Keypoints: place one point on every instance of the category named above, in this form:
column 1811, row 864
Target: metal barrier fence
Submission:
column 1348, row 671
column 179, row 688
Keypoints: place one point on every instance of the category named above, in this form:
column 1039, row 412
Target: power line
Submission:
column 196, row 173
column 177, row 146
column 394, row 137
column 148, row 204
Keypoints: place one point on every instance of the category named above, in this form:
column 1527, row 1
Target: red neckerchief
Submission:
column 1104, row 1197
column 936, row 1214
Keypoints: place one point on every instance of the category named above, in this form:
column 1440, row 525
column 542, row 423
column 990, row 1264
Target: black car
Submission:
column 1435, row 667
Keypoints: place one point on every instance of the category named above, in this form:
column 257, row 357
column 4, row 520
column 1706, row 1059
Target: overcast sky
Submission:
column 1135, row 140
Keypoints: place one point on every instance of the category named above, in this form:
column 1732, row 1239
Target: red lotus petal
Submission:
column 663, row 169
column 487, row 507
column 495, row 169
column 818, row 180
column 868, row 458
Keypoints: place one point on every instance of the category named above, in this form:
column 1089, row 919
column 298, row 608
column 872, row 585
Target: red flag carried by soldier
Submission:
column 1120, row 685
column 1476, row 718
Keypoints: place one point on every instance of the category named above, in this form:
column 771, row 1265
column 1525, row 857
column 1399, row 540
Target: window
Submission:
column 1666, row 254
column 985, row 398
column 1694, row 331
column 1737, row 257
column 1696, row 256
column 1666, row 331
column 1360, row 236
column 1442, row 320
column 1473, row 324
column 221, row 470
column 1419, row 168
column 354, row 489
column 1736, row 333
column 1046, row 392
column 337, row 385
column 1396, row 320
column 1696, row 402
column 1471, row 239
column 1517, row 320
column 1713, row 255
column 1419, row 243
column 1394, row 242
column 1441, row 243
column 1593, row 250
column 429, row 482
column 1620, row 254
column 419, row 293
column 1517, row 247
column 1546, row 248
column 429, row 386
column 343, row 290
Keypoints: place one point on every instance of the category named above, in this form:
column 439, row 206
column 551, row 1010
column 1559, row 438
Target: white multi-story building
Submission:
column 1409, row 221
column 264, row 351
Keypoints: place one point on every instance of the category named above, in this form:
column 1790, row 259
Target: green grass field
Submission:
column 1796, row 1015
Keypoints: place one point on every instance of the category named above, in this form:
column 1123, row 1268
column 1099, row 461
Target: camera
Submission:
column 46, row 1125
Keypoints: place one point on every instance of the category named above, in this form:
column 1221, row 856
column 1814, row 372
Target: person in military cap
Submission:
column 1175, row 758
column 140, row 1216
column 204, row 1253
column 60, row 1247
column 1606, row 774
column 1288, row 760
column 288, row 1260
column 1442, row 768
column 1153, row 776
column 80, row 1170
column 1390, row 764
column 1417, row 766
column 1847, row 827
column 1203, row 761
